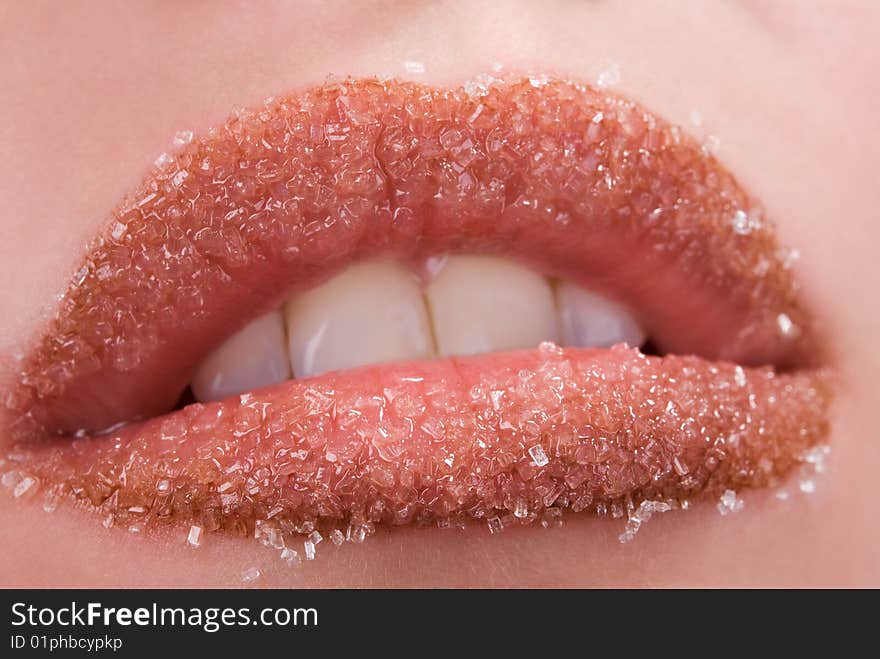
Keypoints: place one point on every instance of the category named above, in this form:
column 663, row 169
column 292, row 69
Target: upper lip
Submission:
column 579, row 182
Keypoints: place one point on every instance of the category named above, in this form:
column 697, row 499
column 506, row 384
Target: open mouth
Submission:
column 398, row 304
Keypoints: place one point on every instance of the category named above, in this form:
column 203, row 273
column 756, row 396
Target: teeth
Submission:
column 371, row 313
column 588, row 319
column 377, row 312
column 255, row 357
column 485, row 304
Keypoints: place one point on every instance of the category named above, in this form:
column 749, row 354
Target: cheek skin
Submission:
column 782, row 132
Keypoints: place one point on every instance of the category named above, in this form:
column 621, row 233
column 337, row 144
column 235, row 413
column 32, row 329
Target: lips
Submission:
column 574, row 182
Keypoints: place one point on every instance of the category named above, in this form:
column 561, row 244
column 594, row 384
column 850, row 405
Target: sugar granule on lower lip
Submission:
column 194, row 537
column 729, row 502
column 251, row 574
column 290, row 556
column 642, row 514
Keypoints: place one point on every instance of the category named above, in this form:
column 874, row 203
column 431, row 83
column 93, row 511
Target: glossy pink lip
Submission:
column 492, row 435
column 575, row 181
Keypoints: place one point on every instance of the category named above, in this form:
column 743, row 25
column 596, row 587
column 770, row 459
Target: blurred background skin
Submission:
column 93, row 91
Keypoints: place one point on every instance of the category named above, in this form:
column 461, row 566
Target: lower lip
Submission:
column 516, row 434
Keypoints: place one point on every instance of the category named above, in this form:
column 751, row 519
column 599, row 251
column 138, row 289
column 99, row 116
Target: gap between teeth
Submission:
column 381, row 311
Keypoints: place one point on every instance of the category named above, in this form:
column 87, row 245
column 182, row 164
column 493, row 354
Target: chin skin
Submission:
column 84, row 126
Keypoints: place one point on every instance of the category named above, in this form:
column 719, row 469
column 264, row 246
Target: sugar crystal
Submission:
column 358, row 534
column 807, row 486
column 552, row 518
column 786, row 327
column 729, row 503
column 538, row 455
column 183, row 137
column 290, row 556
column 194, row 537
column 711, row 144
column 740, row 223
column 162, row 161
column 24, row 486
column 251, row 574
column 50, row 504
column 816, row 457
column 309, row 547
column 10, row 479
column 641, row 515
column 609, row 76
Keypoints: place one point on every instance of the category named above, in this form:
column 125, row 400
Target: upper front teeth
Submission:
column 377, row 312
column 372, row 312
column 486, row 304
column 588, row 319
column 254, row 357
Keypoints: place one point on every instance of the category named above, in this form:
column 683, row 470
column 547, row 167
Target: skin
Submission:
column 92, row 95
